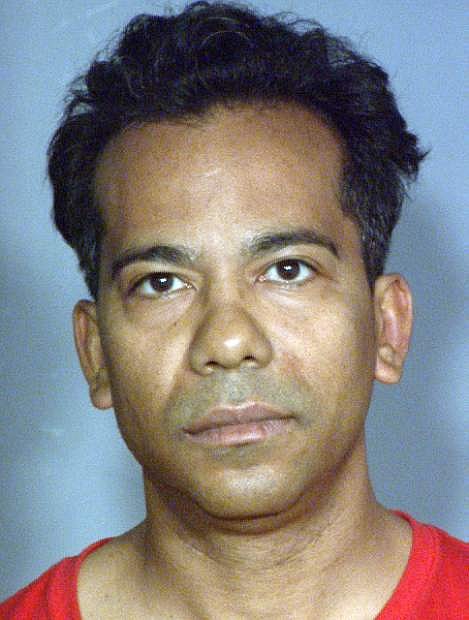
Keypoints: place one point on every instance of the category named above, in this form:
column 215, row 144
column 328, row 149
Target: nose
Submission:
column 228, row 338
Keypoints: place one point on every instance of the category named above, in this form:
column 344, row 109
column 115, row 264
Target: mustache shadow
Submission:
column 232, row 389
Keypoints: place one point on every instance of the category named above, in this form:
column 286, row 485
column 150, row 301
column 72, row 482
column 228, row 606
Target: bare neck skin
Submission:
column 336, row 554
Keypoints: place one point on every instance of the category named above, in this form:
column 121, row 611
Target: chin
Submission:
column 258, row 499
column 253, row 517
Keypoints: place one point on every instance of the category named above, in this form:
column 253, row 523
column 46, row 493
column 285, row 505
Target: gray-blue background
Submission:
column 66, row 477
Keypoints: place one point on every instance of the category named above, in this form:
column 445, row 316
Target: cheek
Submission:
column 351, row 372
column 329, row 347
column 143, row 369
column 143, row 381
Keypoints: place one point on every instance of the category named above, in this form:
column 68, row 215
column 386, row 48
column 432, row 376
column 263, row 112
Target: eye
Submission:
column 158, row 284
column 289, row 271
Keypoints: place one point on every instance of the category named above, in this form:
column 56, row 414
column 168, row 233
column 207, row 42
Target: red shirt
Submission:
column 434, row 586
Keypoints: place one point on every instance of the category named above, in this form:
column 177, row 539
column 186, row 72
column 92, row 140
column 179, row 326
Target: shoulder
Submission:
column 435, row 583
column 451, row 562
column 452, row 548
column 53, row 595
column 107, row 578
column 447, row 594
column 439, row 553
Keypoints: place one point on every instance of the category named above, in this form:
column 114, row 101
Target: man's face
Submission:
column 267, row 302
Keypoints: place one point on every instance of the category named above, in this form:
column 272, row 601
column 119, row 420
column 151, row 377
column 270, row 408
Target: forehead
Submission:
column 248, row 165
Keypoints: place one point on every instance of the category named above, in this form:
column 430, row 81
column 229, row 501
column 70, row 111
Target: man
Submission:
column 230, row 185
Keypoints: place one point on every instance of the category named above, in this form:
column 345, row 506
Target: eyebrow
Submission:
column 183, row 256
column 177, row 255
column 266, row 242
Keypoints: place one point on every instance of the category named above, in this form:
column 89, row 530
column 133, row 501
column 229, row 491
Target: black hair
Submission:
column 181, row 66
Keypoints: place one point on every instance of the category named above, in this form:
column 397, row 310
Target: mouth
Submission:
column 240, row 425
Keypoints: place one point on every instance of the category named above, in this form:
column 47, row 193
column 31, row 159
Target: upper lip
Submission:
column 232, row 415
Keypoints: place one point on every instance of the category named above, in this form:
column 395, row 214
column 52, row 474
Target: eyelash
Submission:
column 169, row 276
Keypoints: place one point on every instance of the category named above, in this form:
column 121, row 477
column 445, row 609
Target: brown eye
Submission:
column 161, row 282
column 157, row 284
column 290, row 270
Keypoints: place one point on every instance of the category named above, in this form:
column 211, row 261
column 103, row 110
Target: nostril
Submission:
column 250, row 361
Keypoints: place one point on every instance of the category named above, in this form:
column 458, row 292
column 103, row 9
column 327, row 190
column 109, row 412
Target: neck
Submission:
column 197, row 563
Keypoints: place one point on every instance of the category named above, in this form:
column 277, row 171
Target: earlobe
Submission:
column 90, row 353
column 393, row 314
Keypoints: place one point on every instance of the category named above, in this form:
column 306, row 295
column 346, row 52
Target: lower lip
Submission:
column 242, row 434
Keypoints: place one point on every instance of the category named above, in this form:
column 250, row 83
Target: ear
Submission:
column 393, row 316
column 90, row 353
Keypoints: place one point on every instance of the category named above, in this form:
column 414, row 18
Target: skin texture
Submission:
column 234, row 327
